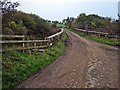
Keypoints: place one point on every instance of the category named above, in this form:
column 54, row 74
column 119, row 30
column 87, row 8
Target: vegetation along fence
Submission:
column 18, row 42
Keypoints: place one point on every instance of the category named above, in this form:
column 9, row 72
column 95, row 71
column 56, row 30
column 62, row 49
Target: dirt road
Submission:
column 85, row 64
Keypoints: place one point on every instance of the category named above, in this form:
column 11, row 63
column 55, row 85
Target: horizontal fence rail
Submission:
column 94, row 32
column 54, row 36
column 22, row 41
column 57, row 34
column 22, row 44
column 98, row 33
column 12, row 36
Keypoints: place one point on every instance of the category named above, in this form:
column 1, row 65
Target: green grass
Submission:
column 61, row 25
column 104, row 40
column 17, row 66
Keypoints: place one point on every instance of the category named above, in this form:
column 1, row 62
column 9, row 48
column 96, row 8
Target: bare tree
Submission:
column 8, row 6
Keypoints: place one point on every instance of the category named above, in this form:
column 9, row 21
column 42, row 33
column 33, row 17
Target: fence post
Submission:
column 28, row 42
column 35, row 49
column 23, row 43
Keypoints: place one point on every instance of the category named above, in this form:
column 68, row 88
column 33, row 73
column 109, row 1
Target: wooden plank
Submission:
column 94, row 32
column 21, row 41
column 32, row 42
column 12, row 36
column 37, row 47
column 32, row 47
column 55, row 34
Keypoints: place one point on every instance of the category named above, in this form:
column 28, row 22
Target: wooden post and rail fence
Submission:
column 18, row 42
column 100, row 34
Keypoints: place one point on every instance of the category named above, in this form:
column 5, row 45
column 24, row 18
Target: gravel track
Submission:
column 85, row 64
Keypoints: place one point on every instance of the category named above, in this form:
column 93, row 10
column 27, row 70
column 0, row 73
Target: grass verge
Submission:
column 17, row 65
column 60, row 25
column 104, row 40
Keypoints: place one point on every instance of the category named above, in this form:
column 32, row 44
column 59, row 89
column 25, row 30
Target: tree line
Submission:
column 21, row 23
column 93, row 22
column 18, row 22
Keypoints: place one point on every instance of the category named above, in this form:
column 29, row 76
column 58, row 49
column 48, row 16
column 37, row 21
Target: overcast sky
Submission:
column 60, row 9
